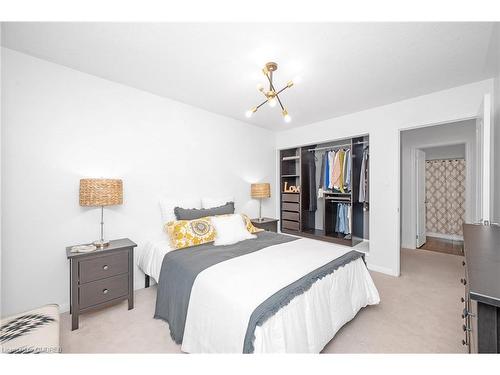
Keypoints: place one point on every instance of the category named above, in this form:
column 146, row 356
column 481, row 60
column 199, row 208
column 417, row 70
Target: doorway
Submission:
column 438, row 185
column 441, row 173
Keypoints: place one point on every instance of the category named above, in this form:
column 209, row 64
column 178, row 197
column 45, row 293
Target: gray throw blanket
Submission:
column 180, row 268
column 283, row 297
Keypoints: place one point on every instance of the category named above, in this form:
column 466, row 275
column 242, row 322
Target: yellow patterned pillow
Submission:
column 250, row 227
column 187, row 233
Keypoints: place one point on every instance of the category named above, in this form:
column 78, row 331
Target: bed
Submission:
column 272, row 294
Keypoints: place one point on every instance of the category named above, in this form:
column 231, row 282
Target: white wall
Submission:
column 383, row 125
column 496, row 123
column 454, row 133
column 445, row 152
column 60, row 125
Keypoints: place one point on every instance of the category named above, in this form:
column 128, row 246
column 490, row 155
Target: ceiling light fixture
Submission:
column 272, row 96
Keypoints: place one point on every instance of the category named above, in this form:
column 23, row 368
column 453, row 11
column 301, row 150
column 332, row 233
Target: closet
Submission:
column 325, row 190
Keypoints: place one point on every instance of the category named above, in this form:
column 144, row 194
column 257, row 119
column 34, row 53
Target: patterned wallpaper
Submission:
column 445, row 195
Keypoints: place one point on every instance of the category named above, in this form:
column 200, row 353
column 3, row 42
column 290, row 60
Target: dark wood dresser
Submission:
column 481, row 311
column 101, row 278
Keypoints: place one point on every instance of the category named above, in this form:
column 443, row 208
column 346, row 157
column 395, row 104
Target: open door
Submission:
column 421, row 200
column 484, row 161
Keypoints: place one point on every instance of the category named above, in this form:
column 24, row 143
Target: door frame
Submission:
column 468, row 152
column 470, row 202
column 418, row 181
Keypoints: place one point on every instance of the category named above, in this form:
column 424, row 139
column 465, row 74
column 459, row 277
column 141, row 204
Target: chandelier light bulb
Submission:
column 272, row 102
column 250, row 112
column 260, row 87
column 286, row 116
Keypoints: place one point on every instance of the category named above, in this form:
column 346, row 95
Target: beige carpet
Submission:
column 419, row 313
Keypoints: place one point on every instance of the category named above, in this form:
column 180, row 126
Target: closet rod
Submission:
column 336, row 146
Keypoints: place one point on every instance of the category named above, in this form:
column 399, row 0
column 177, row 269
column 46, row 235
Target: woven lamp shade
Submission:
column 101, row 192
column 262, row 190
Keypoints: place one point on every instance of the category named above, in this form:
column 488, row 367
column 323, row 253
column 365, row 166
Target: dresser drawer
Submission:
column 102, row 267
column 292, row 225
column 293, row 216
column 104, row 290
column 286, row 206
column 290, row 197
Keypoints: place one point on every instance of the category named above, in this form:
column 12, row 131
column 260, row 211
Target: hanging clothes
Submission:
column 343, row 219
column 322, row 174
column 363, row 179
column 338, row 216
column 331, row 164
column 321, row 186
column 347, row 170
column 327, row 171
column 338, row 171
column 309, row 189
column 349, row 227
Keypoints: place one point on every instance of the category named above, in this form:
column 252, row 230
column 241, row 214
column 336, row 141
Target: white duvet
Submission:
column 224, row 296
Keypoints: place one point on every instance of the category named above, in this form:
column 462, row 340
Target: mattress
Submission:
column 222, row 309
column 151, row 257
column 305, row 325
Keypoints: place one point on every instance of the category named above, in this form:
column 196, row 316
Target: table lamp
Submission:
column 97, row 192
column 259, row 191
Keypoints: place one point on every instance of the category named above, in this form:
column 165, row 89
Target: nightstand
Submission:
column 271, row 225
column 101, row 278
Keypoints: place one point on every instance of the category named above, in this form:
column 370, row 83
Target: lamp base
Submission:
column 101, row 243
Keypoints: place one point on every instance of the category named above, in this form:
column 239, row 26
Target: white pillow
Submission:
column 167, row 206
column 215, row 202
column 230, row 229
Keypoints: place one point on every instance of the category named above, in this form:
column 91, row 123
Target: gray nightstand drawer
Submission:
column 103, row 290
column 104, row 266
column 101, row 278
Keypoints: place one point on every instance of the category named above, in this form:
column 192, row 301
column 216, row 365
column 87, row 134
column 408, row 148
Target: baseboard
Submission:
column 384, row 270
column 454, row 237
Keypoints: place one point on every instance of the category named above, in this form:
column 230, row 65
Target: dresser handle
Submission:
column 466, row 313
column 464, row 342
column 463, row 263
column 464, row 327
column 462, row 299
column 105, row 291
column 105, row 267
column 463, row 281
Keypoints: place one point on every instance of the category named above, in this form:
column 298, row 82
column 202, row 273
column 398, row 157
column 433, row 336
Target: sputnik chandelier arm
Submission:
column 272, row 95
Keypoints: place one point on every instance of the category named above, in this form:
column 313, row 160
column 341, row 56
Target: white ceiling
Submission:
column 339, row 68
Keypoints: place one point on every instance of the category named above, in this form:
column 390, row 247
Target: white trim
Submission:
column 400, row 131
column 487, row 157
column 469, row 209
column 385, row 270
column 455, row 237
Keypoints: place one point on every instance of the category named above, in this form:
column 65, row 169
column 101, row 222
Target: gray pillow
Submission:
column 195, row 213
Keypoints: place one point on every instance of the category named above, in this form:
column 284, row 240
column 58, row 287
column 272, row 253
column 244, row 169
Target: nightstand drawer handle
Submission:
column 105, row 267
column 105, row 291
